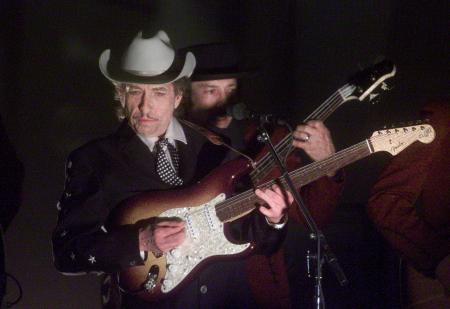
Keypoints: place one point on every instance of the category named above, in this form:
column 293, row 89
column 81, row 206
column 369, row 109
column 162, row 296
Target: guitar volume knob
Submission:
column 167, row 284
column 175, row 253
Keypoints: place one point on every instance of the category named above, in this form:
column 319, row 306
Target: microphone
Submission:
column 240, row 112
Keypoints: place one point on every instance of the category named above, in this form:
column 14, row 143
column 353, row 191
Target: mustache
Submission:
column 140, row 115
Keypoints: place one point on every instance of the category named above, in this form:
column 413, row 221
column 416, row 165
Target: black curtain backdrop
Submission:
column 53, row 99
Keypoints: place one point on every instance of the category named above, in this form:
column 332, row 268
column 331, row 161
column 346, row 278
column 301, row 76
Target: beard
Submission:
column 211, row 115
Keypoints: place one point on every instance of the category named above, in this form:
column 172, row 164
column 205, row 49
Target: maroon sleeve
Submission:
column 321, row 198
column 410, row 202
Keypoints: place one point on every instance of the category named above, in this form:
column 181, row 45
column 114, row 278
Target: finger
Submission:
column 261, row 193
column 301, row 144
column 266, row 212
column 267, row 195
column 290, row 197
column 300, row 131
column 315, row 124
column 311, row 131
column 274, row 201
column 301, row 136
column 170, row 241
column 277, row 189
column 320, row 128
column 273, row 214
column 176, row 237
column 300, row 128
column 164, row 232
column 284, row 194
column 170, row 224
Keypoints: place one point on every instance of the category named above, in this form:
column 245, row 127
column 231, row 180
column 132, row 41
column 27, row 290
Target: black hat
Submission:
column 217, row 61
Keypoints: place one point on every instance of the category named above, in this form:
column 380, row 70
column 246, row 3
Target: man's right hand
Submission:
column 162, row 237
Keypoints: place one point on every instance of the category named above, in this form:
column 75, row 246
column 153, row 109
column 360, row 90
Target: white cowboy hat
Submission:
column 148, row 61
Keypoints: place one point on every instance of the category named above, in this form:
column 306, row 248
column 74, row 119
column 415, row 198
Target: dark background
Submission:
column 53, row 99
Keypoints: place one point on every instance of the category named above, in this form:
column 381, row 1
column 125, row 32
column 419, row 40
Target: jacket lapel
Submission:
column 139, row 159
column 135, row 153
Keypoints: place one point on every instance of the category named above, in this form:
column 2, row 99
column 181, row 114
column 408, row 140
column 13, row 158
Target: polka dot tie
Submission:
column 166, row 172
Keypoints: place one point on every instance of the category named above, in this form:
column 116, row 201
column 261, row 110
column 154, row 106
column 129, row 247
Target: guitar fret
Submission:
column 284, row 148
column 241, row 204
column 364, row 83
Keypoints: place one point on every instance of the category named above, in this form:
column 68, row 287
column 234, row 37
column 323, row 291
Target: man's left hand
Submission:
column 276, row 201
column 315, row 139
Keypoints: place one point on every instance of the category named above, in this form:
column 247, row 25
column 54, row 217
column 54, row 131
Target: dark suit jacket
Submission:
column 105, row 172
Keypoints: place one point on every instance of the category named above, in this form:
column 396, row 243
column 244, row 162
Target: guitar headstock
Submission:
column 396, row 139
column 369, row 82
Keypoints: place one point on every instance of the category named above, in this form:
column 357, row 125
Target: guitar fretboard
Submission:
column 241, row 204
column 284, row 147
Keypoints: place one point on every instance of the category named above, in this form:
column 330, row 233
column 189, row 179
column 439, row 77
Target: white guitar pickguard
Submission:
column 204, row 238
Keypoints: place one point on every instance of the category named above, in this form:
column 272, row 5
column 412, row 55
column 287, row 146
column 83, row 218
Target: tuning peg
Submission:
column 384, row 86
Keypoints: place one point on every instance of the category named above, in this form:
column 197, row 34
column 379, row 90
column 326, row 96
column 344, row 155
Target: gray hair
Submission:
column 180, row 87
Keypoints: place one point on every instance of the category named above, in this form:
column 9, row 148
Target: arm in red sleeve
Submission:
column 409, row 203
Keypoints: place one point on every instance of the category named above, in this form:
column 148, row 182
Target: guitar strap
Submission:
column 215, row 139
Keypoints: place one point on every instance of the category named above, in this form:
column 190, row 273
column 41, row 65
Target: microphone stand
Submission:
column 324, row 253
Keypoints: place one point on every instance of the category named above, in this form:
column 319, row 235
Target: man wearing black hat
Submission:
column 151, row 151
column 214, row 89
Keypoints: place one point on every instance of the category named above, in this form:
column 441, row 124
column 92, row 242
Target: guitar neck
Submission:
column 284, row 147
column 239, row 205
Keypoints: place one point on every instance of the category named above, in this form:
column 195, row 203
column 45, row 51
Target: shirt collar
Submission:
column 174, row 133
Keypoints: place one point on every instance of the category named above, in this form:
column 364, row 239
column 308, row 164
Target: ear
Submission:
column 178, row 99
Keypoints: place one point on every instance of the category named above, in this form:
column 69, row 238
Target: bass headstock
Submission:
column 370, row 82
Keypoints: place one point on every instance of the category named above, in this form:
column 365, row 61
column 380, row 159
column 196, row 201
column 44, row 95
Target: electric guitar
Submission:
column 366, row 84
column 209, row 204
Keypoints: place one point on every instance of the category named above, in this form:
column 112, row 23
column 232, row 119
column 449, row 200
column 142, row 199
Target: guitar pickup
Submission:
column 193, row 233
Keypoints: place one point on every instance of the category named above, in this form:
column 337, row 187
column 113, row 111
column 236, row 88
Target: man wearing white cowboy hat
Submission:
column 150, row 151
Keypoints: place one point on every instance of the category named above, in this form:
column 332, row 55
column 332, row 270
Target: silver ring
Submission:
column 307, row 137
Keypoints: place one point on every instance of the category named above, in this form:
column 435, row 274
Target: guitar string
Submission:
column 355, row 149
column 237, row 199
column 266, row 163
column 234, row 208
column 337, row 94
column 335, row 157
column 333, row 101
column 285, row 144
column 230, row 204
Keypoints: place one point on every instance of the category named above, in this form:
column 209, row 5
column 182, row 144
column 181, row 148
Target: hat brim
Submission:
column 182, row 66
